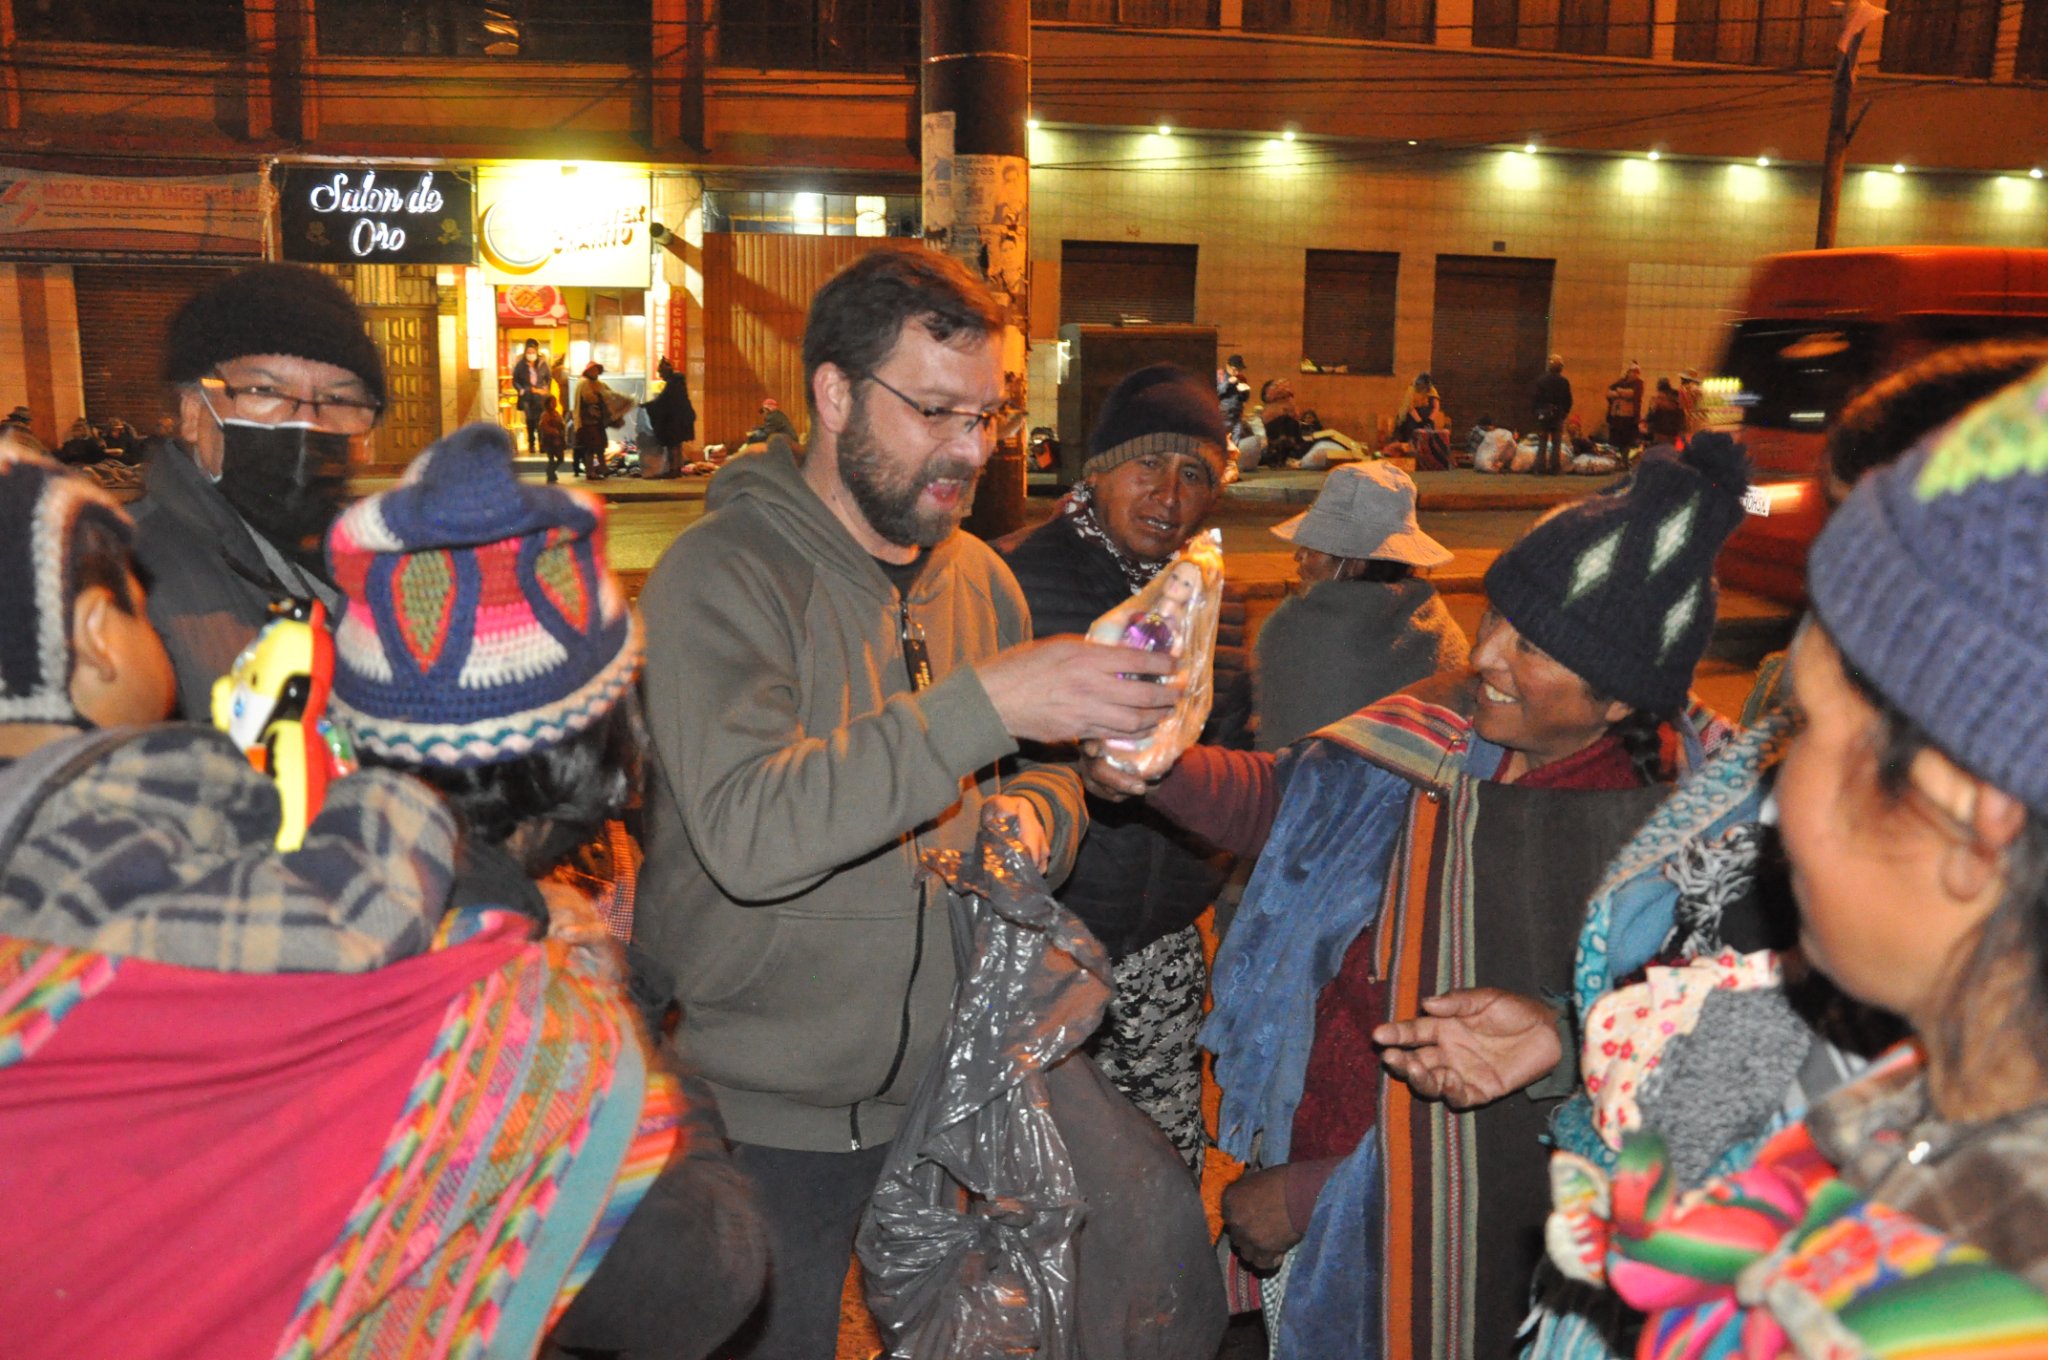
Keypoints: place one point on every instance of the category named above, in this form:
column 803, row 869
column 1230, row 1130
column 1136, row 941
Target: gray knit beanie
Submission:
column 1931, row 580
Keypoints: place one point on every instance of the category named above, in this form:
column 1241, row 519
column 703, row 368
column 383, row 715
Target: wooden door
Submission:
column 1490, row 336
column 408, row 338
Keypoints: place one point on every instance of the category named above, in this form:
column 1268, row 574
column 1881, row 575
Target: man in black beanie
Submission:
column 276, row 381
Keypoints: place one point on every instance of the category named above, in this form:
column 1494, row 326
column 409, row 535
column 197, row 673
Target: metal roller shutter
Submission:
column 1103, row 283
column 124, row 313
column 1491, row 335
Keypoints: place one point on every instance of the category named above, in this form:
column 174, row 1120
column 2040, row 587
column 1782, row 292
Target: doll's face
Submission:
column 1182, row 582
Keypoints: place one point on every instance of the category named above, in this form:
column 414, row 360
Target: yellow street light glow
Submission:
column 1166, row 129
column 1528, row 148
column 2034, row 173
column 1656, row 155
column 1898, row 167
column 1031, row 123
column 1763, row 162
column 1413, row 142
column 1288, row 135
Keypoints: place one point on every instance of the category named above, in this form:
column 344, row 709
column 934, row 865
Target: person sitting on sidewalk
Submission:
column 1423, row 864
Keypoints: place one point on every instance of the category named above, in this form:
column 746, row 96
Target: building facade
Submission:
column 1349, row 191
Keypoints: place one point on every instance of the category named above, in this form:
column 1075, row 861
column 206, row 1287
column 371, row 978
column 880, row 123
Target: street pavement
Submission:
column 1475, row 515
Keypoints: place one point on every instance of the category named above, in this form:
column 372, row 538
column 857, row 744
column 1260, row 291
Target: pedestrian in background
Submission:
column 533, row 383
column 1154, row 472
column 1625, row 410
column 593, row 418
column 1551, row 401
column 1362, row 623
column 673, row 420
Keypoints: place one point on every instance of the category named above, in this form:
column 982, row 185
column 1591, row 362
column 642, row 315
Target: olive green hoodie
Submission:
column 796, row 778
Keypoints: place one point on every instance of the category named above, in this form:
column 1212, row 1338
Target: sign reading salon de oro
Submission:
column 375, row 214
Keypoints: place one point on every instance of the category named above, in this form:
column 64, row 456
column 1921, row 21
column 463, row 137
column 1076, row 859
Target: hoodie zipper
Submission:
column 917, row 663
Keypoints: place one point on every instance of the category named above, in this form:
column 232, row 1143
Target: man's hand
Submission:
column 1106, row 781
column 1031, row 833
column 1472, row 1047
column 1255, row 1216
column 1070, row 689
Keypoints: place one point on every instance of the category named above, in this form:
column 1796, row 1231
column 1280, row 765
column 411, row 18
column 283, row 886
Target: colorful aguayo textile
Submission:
column 423, row 1160
column 1782, row 1258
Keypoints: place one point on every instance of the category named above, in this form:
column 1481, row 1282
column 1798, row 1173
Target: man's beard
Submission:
column 888, row 498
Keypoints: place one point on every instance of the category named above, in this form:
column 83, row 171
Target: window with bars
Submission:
column 1383, row 20
column 212, row 25
column 1782, row 33
column 819, row 35
column 775, row 213
column 1940, row 37
column 1108, row 282
column 1347, row 313
column 535, row 30
column 1134, row 13
column 1609, row 28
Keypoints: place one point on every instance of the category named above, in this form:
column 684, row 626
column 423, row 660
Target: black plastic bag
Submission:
column 1026, row 1207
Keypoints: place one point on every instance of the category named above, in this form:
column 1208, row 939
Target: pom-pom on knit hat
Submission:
column 1931, row 578
column 1159, row 408
column 483, row 622
column 1619, row 588
column 42, row 506
column 272, row 309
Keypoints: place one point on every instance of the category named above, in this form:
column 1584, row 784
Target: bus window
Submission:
column 1794, row 375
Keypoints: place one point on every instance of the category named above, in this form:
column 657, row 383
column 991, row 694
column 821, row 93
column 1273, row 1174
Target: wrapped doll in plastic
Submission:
column 1175, row 613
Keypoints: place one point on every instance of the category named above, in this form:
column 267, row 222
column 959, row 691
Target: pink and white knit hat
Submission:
column 483, row 621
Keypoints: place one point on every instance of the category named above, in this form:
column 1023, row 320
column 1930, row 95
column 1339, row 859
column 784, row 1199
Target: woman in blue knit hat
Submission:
column 1908, row 1212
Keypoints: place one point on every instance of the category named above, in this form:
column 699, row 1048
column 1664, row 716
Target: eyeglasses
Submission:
column 945, row 423
column 270, row 406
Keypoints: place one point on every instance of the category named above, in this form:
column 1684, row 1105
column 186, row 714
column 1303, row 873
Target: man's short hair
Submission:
column 859, row 315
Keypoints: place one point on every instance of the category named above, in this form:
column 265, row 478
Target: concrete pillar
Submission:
column 976, row 90
column 10, row 71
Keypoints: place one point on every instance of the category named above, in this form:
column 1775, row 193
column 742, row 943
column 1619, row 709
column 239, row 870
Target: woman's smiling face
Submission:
column 1531, row 704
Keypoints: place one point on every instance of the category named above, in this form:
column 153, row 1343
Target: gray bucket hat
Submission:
column 1365, row 510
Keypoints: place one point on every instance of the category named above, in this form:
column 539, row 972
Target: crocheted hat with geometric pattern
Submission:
column 1619, row 587
column 483, row 622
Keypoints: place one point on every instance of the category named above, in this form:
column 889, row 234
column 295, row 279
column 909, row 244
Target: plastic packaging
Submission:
column 1027, row 1208
column 1176, row 612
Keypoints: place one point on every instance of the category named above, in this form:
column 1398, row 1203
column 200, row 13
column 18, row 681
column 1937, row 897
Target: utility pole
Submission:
column 976, row 88
column 1856, row 21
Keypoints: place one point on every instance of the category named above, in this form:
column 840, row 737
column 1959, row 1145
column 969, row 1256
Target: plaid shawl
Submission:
column 164, row 849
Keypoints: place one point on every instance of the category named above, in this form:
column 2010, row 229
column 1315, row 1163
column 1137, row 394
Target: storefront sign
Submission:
column 531, row 304
column 588, row 228
column 89, row 215
column 330, row 214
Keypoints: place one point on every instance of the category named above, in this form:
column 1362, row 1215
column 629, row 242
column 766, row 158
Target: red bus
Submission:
column 1819, row 325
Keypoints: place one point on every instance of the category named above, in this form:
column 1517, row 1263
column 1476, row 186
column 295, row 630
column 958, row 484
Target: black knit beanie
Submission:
column 1160, row 408
column 272, row 309
column 1619, row 588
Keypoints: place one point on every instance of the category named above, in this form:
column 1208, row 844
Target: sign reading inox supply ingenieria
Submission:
column 375, row 214
column 586, row 228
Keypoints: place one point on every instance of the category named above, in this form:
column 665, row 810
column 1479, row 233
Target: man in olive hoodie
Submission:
column 837, row 680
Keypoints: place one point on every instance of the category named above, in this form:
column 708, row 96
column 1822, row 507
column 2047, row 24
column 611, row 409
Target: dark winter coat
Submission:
column 1137, row 876
column 210, row 585
column 1553, row 394
column 673, row 416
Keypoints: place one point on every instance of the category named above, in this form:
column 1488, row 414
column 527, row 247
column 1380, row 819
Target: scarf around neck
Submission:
column 1079, row 508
